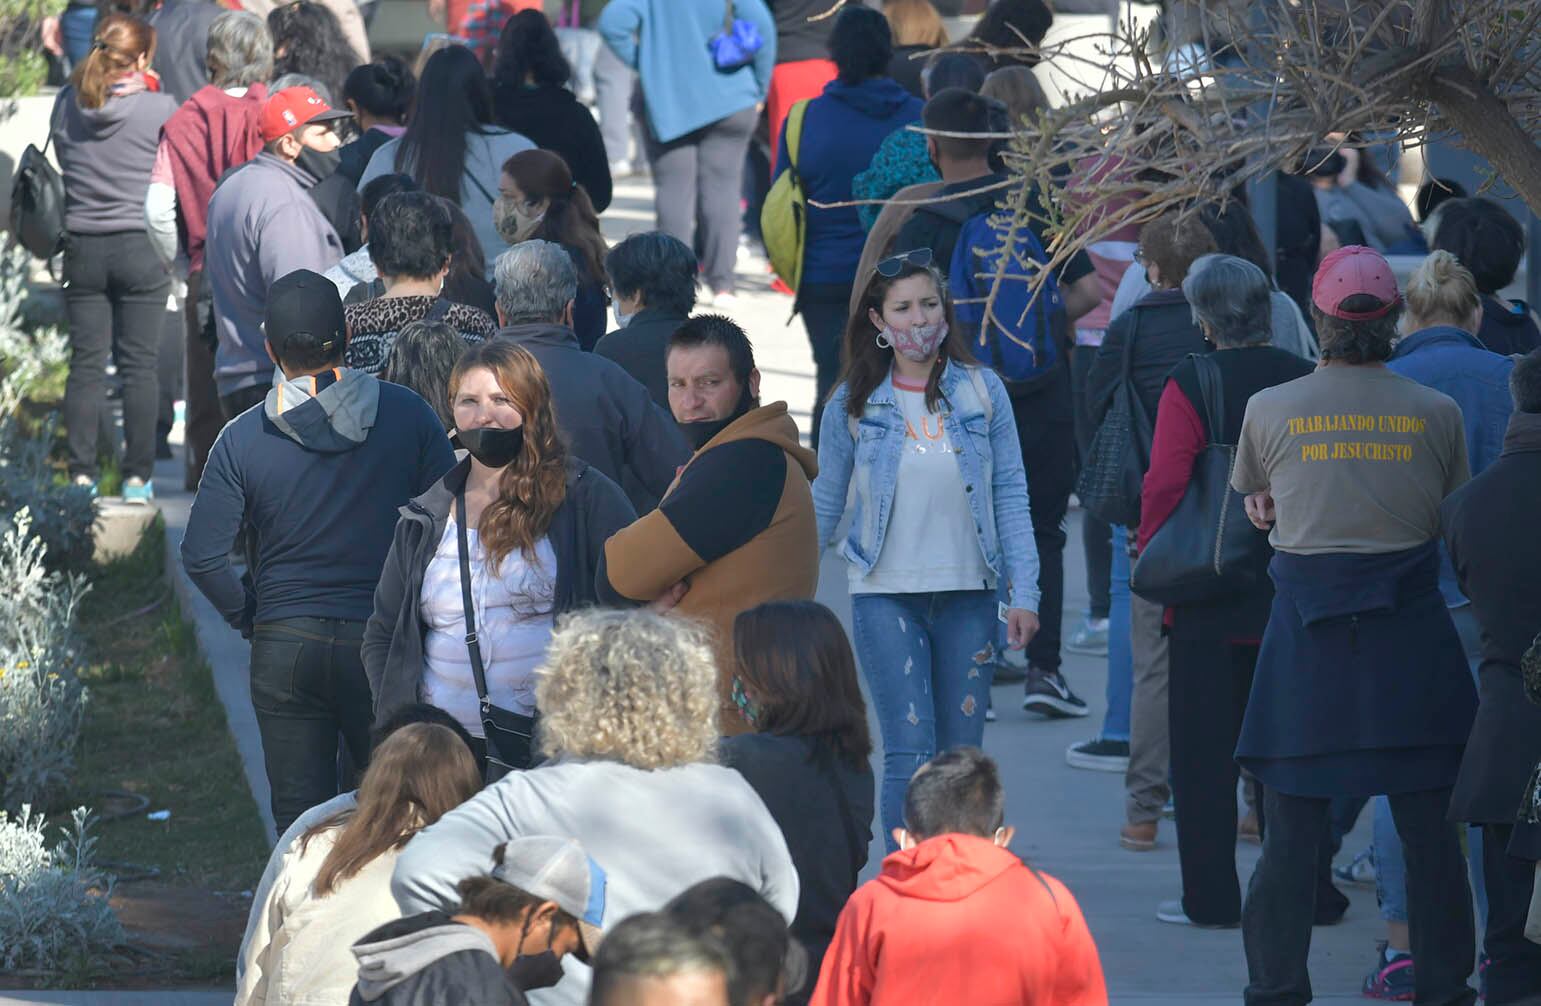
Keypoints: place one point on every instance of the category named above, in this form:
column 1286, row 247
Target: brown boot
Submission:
column 1139, row 837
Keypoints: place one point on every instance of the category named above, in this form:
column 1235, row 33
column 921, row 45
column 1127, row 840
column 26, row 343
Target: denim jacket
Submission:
column 1451, row 360
column 989, row 461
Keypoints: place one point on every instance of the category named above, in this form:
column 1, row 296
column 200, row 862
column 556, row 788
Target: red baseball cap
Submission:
column 293, row 107
column 1348, row 272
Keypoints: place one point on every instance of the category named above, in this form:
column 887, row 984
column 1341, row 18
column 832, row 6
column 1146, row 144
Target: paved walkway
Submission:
column 1067, row 820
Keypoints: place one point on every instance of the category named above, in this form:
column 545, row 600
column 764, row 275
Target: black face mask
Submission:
column 493, row 447
column 536, row 971
column 699, row 433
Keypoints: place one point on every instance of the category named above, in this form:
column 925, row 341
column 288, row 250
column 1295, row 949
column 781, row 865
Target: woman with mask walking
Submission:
column 525, row 521
column 941, row 514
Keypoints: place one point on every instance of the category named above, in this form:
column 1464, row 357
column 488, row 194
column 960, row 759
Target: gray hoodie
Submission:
column 262, row 225
column 427, row 960
column 106, row 155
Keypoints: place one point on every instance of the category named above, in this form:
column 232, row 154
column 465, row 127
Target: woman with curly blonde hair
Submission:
column 510, row 537
column 629, row 719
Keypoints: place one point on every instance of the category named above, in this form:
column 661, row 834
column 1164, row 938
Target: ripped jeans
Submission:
column 928, row 660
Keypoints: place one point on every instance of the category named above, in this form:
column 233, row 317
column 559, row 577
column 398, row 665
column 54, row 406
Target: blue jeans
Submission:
column 928, row 659
column 76, row 25
column 1115, row 722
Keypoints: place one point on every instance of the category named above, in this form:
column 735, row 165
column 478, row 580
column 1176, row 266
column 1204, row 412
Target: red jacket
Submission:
column 959, row 920
column 210, row 134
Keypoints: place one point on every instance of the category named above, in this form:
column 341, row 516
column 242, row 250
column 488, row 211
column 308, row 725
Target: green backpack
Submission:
column 784, row 217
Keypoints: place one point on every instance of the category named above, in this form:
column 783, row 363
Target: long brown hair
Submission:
column 915, row 22
column 116, row 45
column 532, row 488
column 570, row 217
column 866, row 363
column 795, row 662
column 416, row 776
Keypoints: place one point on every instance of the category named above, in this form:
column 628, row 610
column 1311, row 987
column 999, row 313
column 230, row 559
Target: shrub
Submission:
column 54, row 909
column 22, row 67
column 41, row 699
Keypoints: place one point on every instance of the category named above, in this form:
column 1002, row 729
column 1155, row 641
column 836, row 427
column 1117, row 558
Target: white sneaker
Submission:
column 725, row 300
column 620, row 169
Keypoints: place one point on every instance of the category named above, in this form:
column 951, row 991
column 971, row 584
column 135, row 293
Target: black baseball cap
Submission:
column 304, row 316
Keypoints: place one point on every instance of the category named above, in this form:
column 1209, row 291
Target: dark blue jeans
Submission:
column 308, row 686
column 928, row 659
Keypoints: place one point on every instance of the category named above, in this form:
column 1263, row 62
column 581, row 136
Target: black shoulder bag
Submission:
column 1208, row 549
column 37, row 198
column 1114, row 472
column 510, row 735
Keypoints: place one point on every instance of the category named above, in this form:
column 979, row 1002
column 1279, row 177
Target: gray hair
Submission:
column 535, row 282
column 1232, row 297
column 289, row 80
column 240, row 50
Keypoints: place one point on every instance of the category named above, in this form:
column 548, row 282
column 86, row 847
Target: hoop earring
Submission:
column 883, row 341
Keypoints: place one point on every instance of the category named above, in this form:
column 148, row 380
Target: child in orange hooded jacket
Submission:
column 957, row 918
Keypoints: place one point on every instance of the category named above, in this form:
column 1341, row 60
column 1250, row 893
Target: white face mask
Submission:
column 621, row 319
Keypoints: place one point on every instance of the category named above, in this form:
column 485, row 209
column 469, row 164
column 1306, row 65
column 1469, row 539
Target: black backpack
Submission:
column 37, row 202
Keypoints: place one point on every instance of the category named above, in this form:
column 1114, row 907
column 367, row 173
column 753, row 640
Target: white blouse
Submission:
column 513, row 607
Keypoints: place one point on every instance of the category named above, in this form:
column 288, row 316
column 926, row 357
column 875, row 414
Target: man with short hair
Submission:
column 768, row 965
column 262, row 224
column 736, row 528
column 655, row 960
column 653, row 280
column 1495, row 557
column 1045, row 410
column 318, row 472
column 954, row 909
column 608, row 418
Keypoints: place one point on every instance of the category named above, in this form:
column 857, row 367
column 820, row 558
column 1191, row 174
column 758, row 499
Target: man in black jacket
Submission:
column 316, row 471
column 1487, row 527
column 653, row 279
column 608, row 418
column 1045, row 414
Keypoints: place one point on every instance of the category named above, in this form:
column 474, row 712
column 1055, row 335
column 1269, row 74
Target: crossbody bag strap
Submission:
column 473, row 644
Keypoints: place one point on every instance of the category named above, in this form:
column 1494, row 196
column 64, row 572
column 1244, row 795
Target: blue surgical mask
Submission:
column 621, row 319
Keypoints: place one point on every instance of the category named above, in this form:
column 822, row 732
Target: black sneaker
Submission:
column 1099, row 755
column 1048, row 695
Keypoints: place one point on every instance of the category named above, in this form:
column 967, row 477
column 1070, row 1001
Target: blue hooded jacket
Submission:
column 1450, row 360
column 842, row 130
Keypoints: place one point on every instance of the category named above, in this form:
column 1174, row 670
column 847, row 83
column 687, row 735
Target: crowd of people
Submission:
column 527, row 564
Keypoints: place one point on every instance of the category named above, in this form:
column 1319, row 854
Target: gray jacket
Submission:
column 607, row 416
column 654, row 832
column 429, row 960
column 262, row 225
column 594, row 509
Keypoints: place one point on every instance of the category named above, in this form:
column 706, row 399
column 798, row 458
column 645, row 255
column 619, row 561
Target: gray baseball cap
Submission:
column 557, row 869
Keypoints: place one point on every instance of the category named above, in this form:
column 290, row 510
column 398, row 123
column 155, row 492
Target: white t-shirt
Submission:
column 513, row 607
column 930, row 543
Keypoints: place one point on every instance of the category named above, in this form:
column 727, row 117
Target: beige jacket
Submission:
column 299, row 953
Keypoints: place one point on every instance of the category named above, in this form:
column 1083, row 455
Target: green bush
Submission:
column 23, row 70
column 53, row 902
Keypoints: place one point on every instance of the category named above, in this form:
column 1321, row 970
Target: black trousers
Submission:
column 307, row 686
column 1281, row 900
column 1210, row 680
column 115, row 292
column 1514, row 966
column 824, row 308
column 241, row 399
column 1046, row 430
column 1096, row 534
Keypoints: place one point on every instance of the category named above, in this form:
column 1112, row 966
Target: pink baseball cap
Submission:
column 1348, row 272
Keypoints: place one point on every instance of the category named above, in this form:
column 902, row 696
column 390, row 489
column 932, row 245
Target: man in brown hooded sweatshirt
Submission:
column 736, row 529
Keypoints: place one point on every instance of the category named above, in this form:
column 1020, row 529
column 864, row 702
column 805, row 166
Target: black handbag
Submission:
column 37, row 202
column 510, row 735
column 1110, row 481
column 1207, row 549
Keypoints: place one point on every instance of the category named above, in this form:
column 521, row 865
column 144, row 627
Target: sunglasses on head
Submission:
column 891, row 266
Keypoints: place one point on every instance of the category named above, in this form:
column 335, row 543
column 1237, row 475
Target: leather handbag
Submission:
column 1111, row 479
column 37, row 201
column 510, row 735
column 1207, row 549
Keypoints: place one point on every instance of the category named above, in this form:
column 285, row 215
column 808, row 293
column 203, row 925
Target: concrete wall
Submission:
column 22, row 121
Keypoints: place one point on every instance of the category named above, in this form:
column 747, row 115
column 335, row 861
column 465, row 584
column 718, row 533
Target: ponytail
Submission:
column 116, row 46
